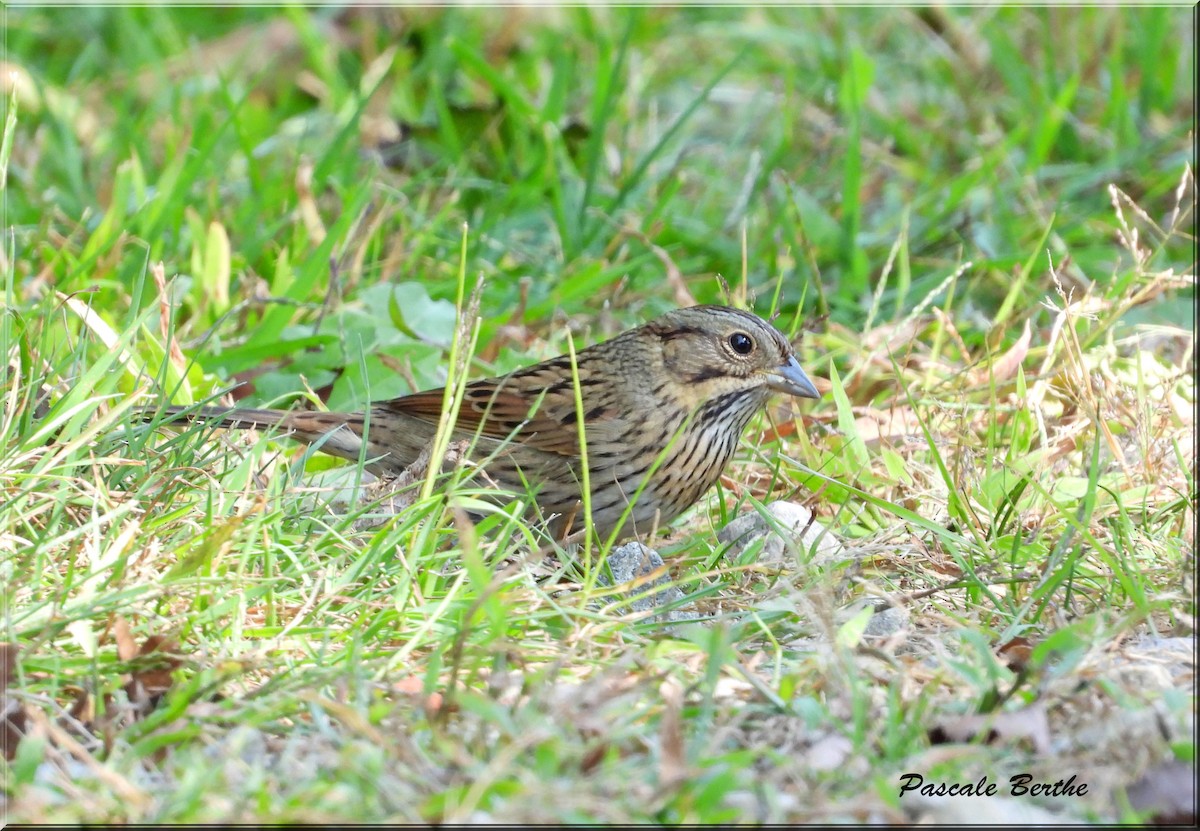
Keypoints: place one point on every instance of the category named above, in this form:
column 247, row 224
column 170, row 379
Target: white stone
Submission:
column 791, row 534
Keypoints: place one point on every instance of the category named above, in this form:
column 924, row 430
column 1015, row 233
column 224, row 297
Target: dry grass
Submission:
column 216, row 628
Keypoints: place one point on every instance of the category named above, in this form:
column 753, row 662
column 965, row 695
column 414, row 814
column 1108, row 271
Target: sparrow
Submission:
column 663, row 407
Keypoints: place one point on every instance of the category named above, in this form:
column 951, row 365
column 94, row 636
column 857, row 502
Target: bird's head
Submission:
column 715, row 351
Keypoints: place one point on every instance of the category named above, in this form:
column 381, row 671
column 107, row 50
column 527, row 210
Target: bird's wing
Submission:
column 526, row 408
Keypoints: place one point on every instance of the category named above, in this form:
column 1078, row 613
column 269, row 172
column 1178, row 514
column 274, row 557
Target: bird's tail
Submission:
column 338, row 434
column 231, row 419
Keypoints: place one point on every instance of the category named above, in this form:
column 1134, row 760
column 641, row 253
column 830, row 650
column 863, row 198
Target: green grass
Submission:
column 978, row 224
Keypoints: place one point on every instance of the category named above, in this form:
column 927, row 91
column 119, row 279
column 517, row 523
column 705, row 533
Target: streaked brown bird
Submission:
column 663, row 407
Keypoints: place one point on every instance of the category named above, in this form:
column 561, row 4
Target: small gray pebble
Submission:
column 887, row 621
column 633, row 560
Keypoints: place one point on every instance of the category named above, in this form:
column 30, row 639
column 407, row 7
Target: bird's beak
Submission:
column 790, row 378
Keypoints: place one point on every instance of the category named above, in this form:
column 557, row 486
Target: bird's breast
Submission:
column 694, row 453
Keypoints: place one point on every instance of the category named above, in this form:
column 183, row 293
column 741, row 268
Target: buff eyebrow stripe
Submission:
column 681, row 332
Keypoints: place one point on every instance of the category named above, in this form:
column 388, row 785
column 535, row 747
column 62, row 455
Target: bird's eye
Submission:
column 741, row 343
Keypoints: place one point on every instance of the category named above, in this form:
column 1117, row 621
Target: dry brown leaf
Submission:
column 413, row 687
column 1005, row 367
column 1016, row 653
column 593, row 756
column 306, row 203
column 1005, row 727
column 146, row 687
column 155, row 660
column 889, row 334
column 1168, row 792
column 164, row 319
column 13, row 721
column 895, row 424
column 672, row 761
column 127, row 648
